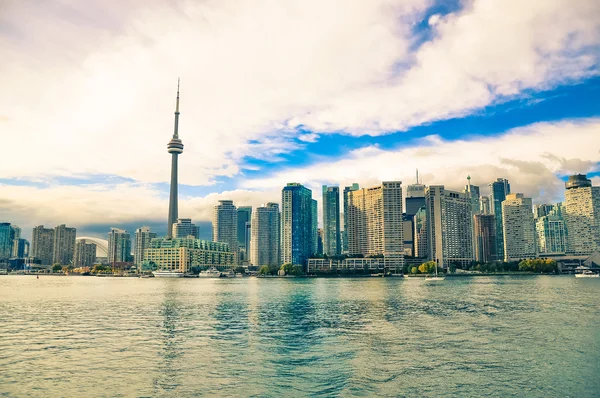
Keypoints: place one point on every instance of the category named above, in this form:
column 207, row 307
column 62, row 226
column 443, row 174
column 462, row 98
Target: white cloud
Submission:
column 90, row 87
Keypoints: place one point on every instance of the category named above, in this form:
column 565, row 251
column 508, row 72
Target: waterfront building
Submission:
column 344, row 219
column 449, row 226
column 485, row 237
column 551, row 233
column 581, row 213
column 375, row 226
column 42, row 244
column 484, row 205
column 332, row 244
column 85, row 254
column 64, row 245
column 174, row 147
column 6, row 241
column 181, row 254
column 498, row 191
column 143, row 236
column 298, row 225
column 184, row 228
column 421, row 249
column 119, row 246
column 518, row 228
column 264, row 244
column 244, row 220
column 225, row 225
column 20, row 248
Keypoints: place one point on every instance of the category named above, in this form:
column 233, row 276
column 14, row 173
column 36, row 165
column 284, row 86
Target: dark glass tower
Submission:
column 498, row 191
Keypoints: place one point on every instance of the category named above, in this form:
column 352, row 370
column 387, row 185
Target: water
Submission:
column 485, row 336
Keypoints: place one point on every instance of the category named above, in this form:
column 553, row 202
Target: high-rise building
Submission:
column 519, row 230
column 314, row 223
column 143, row 236
column 375, row 224
column 332, row 243
column 498, row 191
column 174, row 147
column 244, row 219
column 225, row 225
column 6, row 241
column 542, row 210
column 421, row 249
column 42, row 244
column 16, row 232
column 344, row 219
column 184, row 228
column 485, row 237
column 581, row 212
column 449, row 226
column 415, row 197
column 264, row 244
column 20, row 248
column 484, row 205
column 551, row 232
column 473, row 191
column 297, row 230
column 119, row 246
column 64, row 245
column 85, row 254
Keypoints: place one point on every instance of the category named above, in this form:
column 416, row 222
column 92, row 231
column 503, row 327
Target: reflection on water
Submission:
column 501, row 336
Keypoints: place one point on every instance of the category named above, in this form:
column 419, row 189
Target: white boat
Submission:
column 435, row 278
column 166, row 273
column 210, row 273
column 587, row 274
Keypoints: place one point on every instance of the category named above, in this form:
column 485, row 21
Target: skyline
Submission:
column 354, row 113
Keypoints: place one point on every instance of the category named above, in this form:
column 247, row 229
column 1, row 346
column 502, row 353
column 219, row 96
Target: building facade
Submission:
column 181, row 254
column 551, row 235
column 344, row 218
column 244, row 221
column 518, row 228
column 225, row 225
column 581, row 213
column 85, row 254
column 332, row 243
column 485, row 237
column 42, row 244
column 421, row 249
column 498, row 191
column 184, row 228
column 298, row 232
column 20, row 248
column 6, row 241
column 119, row 246
column 264, row 244
column 64, row 245
column 143, row 236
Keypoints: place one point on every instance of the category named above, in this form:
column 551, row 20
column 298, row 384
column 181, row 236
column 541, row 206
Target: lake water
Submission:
column 535, row 336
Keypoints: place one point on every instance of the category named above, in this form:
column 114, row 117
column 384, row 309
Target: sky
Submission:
column 315, row 92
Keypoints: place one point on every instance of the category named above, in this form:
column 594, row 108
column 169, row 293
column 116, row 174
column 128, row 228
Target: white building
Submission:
column 581, row 212
column 64, row 245
column 143, row 236
column 119, row 246
column 85, row 253
column 518, row 227
column 264, row 243
column 184, row 228
column 225, row 225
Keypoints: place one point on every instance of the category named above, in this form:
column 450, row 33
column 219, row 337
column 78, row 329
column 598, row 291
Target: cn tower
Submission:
column 174, row 147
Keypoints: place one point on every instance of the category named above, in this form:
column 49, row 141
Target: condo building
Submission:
column 421, row 249
column 225, row 225
column 42, row 244
column 244, row 221
column 184, row 228
column 181, row 254
column 332, row 243
column 581, row 213
column 143, row 236
column 518, row 228
column 498, row 191
column 484, row 226
column 119, row 246
column 64, row 245
column 264, row 244
column 85, row 254
column 298, row 225
column 344, row 218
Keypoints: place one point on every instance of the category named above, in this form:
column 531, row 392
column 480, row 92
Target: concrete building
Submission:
column 119, row 246
column 298, row 228
column 375, row 226
column 225, row 225
column 264, row 244
column 332, row 242
column 244, row 220
column 64, row 245
column 42, row 244
column 181, row 254
column 415, row 198
column 85, row 254
column 16, row 231
column 344, row 218
column 6, row 241
column 581, row 213
column 184, row 228
column 175, row 148
column 518, row 228
column 498, row 191
column 542, row 210
column 143, row 236
column 484, row 205
column 421, row 249
column 551, row 235
column 484, row 226
column 449, row 226
column 20, row 248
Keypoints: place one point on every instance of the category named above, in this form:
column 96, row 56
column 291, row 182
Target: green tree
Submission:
column 264, row 270
column 56, row 267
column 414, row 270
column 287, row 268
column 427, row 268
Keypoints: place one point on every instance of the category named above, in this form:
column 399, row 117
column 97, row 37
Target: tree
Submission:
column 539, row 265
column 414, row 270
column 264, row 270
column 427, row 268
column 287, row 268
column 56, row 267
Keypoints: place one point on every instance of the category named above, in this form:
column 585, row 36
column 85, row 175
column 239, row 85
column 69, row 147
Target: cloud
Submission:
column 90, row 88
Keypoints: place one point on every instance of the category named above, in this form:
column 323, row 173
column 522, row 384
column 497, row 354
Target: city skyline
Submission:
column 423, row 98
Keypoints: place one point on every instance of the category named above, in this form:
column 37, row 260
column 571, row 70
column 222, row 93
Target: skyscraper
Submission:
column 415, row 198
column 484, row 205
column 264, row 244
column 244, row 216
column 297, row 233
column 184, row 228
column 174, row 147
column 581, row 212
column 119, row 246
column 498, row 191
column 64, row 245
column 314, row 226
column 6, row 241
column 542, row 210
column 332, row 244
column 449, row 226
column 143, row 236
column 20, row 248
column 85, row 254
column 551, row 232
column 225, row 225
column 485, row 237
column 42, row 244
column 420, row 244
column 519, row 230
column 375, row 223
column 344, row 231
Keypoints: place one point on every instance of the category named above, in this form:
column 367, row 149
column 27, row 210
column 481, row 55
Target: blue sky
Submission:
column 274, row 92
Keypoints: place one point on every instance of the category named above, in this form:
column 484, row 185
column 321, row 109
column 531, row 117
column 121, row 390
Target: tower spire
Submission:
column 417, row 176
column 176, row 132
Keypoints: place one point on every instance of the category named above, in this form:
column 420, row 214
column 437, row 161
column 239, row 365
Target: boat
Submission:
column 210, row 273
column 435, row 278
column 587, row 274
column 167, row 273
